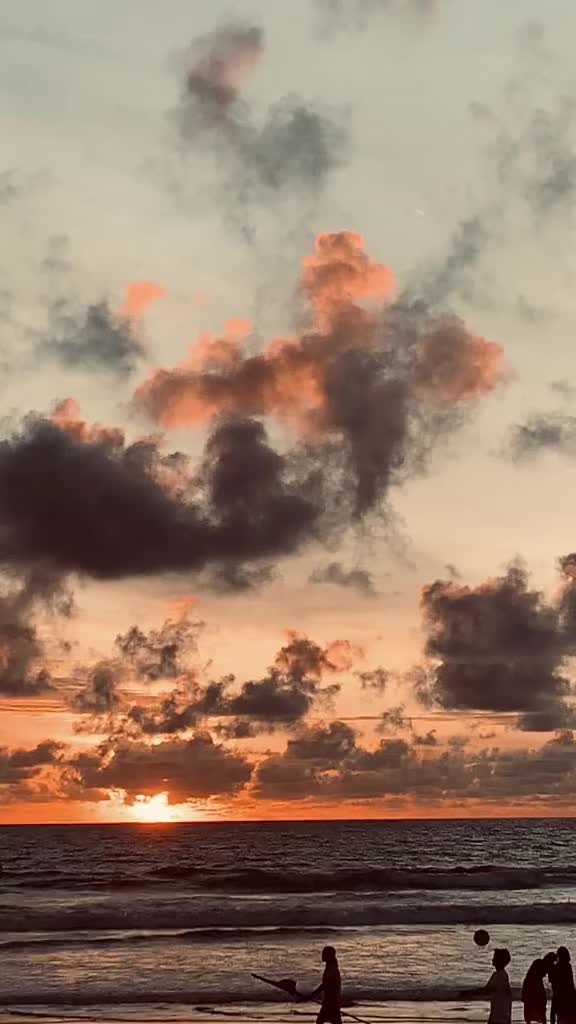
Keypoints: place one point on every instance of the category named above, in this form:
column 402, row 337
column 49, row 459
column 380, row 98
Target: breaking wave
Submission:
column 265, row 880
column 229, row 921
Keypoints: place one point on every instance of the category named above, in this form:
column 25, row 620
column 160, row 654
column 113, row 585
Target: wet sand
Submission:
column 386, row 1013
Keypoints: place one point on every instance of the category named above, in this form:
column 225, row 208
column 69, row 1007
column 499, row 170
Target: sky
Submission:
column 289, row 410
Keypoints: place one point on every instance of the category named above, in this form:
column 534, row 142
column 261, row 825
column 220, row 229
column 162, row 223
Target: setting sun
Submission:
column 153, row 809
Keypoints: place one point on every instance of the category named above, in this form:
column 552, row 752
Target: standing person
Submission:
column 534, row 993
column 563, row 989
column 498, row 988
column 331, row 989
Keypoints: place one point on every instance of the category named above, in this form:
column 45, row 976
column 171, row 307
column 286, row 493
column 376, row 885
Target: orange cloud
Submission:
column 139, row 296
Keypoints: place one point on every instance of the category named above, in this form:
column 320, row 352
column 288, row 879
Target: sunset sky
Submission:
column 289, row 409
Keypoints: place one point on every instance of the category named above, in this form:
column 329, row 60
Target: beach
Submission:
column 391, row 1013
column 170, row 922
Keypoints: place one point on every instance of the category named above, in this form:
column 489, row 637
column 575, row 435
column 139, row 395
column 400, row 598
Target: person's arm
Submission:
column 474, row 993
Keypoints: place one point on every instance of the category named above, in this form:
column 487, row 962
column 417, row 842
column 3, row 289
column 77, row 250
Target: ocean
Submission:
column 160, row 922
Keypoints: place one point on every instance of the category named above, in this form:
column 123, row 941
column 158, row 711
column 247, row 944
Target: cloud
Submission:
column 292, row 150
column 163, row 653
column 23, row 671
column 187, row 769
column 367, row 388
column 140, row 295
column 393, row 720
column 84, row 501
column 358, row 14
column 17, row 765
column 281, row 699
column 500, row 647
column 100, row 695
column 15, row 185
column 167, row 653
column 312, row 769
column 95, row 339
column 354, row 579
column 542, row 432
column 376, row 679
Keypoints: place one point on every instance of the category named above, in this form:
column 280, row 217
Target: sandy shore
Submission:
column 386, row 1013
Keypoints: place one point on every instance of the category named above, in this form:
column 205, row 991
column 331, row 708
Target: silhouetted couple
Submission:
column 558, row 969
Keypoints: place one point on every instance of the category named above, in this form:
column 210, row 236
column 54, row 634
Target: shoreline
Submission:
column 400, row 1012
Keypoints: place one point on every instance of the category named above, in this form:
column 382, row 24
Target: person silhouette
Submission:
column 331, row 989
column 563, row 989
column 534, row 993
column 498, row 988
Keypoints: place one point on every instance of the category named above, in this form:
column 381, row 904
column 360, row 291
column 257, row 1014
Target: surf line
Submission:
column 288, row 985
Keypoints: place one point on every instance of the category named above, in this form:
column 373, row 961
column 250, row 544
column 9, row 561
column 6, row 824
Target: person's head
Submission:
column 328, row 955
column 501, row 959
column 549, row 961
column 563, row 955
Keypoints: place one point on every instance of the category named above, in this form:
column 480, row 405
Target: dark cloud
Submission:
column 292, row 150
column 236, row 579
column 95, row 339
column 374, row 679
column 393, row 720
column 324, row 763
column 354, row 579
column 18, row 766
column 427, row 739
column 163, row 653
column 281, row 699
column 422, row 772
column 23, row 671
column 100, row 696
column 109, row 510
column 187, row 769
column 343, row 770
column 500, row 647
column 542, row 432
column 167, row 653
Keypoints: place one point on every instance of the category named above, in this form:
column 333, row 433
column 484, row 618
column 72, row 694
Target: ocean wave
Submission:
column 303, row 915
column 57, row 940
column 269, row 880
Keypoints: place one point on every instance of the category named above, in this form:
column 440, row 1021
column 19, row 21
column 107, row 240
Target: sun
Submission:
column 153, row 809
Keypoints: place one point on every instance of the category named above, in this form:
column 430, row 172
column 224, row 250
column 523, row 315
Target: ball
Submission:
column 481, row 937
